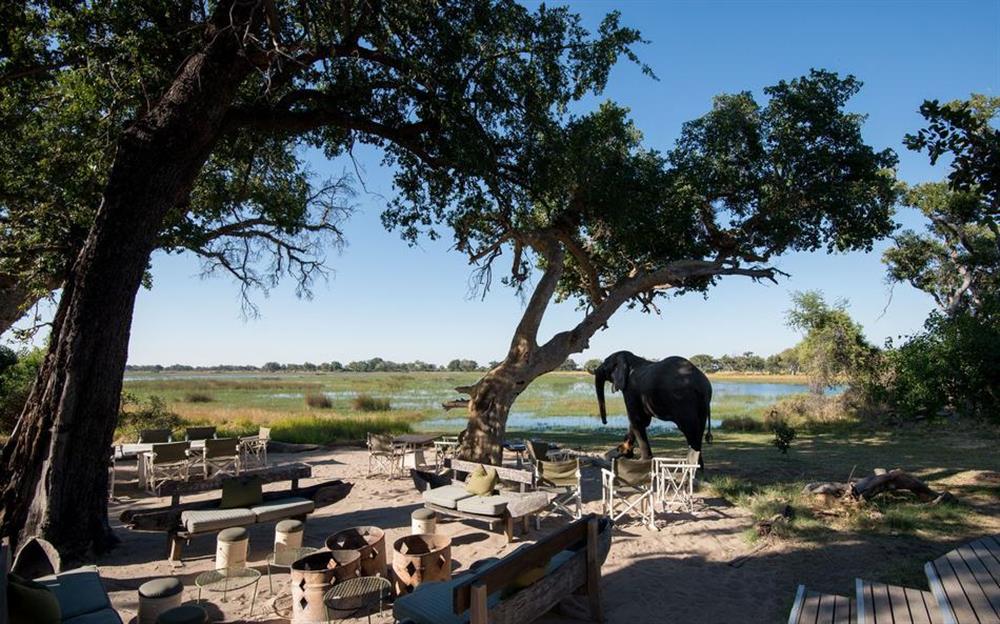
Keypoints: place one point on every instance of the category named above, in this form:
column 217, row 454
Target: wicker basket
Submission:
column 313, row 575
column 418, row 558
column 369, row 541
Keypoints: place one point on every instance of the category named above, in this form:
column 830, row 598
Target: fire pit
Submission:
column 420, row 557
column 313, row 575
column 369, row 541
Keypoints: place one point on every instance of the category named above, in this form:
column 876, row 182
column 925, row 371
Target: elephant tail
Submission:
column 708, row 418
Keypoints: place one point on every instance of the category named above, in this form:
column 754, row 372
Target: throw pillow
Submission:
column 481, row 481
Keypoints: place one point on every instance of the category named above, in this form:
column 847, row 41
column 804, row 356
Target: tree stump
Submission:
column 418, row 558
column 313, row 575
column 368, row 541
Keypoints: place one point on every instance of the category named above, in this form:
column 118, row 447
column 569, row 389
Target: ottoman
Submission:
column 157, row 596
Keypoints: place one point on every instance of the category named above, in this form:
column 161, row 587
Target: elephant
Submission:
column 673, row 389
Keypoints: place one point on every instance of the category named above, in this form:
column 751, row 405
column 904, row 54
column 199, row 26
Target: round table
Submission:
column 285, row 559
column 227, row 580
column 358, row 594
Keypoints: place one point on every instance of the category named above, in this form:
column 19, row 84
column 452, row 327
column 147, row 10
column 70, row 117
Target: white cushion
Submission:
column 486, row 505
column 446, row 495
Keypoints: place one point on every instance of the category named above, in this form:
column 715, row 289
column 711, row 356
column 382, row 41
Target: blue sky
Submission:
column 389, row 300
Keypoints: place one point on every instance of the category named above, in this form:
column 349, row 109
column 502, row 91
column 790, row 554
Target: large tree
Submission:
column 448, row 89
column 607, row 222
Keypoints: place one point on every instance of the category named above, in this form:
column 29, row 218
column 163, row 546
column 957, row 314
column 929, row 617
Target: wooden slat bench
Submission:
column 815, row 608
column 966, row 582
column 879, row 603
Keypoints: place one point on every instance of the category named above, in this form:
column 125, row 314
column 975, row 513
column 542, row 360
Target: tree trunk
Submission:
column 55, row 464
column 489, row 407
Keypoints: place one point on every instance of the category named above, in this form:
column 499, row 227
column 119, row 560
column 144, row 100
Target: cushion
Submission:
column 104, row 616
column 241, row 493
column 233, row 534
column 430, row 603
column 290, row 526
column 31, row 603
column 446, row 495
column 283, row 508
column 184, row 614
column 207, row 520
column 161, row 587
column 481, row 481
column 78, row 591
column 485, row 505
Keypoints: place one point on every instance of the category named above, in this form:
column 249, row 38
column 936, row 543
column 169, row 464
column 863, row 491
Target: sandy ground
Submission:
column 684, row 572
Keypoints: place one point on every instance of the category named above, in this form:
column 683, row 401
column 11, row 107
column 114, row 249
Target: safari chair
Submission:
column 166, row 462
column 543, row 451
column 199, row 433
column 561, row 478
column 154, row 436
column 385, row 456
column 629, row 487
column 253, row 449
column 222, row 455
column 444, row 449
column 675, row 480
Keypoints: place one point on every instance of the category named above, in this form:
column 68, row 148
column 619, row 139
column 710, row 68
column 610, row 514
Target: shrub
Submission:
column 783, row 435
column 318, row 400
column 367, row 403
column 138, row 414
column 327, row 430
column 198, row 397
column 747, row 424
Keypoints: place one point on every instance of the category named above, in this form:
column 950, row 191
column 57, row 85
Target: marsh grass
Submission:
column 321, row 430
column 198, row 397
column 368, row 403
column 318, row 400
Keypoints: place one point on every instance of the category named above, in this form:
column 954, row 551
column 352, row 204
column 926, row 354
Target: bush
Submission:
column 783, row 435
column 318, row 400
column 367, row 403
column 17, row 374
column 198, row 397
column 746, row 424
column 137, row 414
column 327, row 430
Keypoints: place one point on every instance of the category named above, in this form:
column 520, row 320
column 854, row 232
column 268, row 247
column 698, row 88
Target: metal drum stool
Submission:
column 157, row 596
column 231, row 548
column 288, row 535
column 423, row 521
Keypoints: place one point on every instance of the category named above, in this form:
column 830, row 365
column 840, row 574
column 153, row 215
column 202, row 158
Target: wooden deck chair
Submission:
column 154, row 436
column 253, row 449
column 384, row 456
column 675, row 480
column 168, row 461
column 561, row 478
column 630, row 484
column 222, row 455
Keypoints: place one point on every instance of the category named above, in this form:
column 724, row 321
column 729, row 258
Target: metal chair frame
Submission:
column 225, row 463
column 253, row 449
column 675, row 480
column 566, row 495
column 157, row 473
column 385, row 455
column 444, row 449
column 635, row 498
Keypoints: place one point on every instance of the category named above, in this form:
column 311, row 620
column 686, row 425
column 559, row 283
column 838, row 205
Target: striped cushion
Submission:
column 485, row 505
column 283, row 508
column 207, row 520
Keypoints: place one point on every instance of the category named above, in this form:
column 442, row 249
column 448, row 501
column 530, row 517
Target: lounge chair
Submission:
column 629, row 487
column 561, row 478
column 167, row 461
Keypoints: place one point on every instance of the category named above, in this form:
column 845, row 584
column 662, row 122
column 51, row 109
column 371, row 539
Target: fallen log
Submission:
column 879, row 482
column 168, row 518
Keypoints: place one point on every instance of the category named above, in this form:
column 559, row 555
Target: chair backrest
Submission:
column 170, row 452
column 633, row 471
column 154, row 436
column 525, row 477
column 537, row 450
column 200, row 433
column 559, row 473
column 379, row 443
column 221, row 447
column 264, row 433
column 692, row 457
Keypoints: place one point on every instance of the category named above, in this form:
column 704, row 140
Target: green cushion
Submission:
column 481, row 481
column 161, row 587
column 79, row 592
column 237, row 493
column 184, row 614
column 31, row 603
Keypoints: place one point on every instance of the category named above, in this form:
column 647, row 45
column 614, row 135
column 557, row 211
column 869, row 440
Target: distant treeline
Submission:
column 786, row 362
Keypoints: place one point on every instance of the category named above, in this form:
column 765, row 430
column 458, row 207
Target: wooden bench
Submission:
column 966, row 582
column 572, row 558
column 815, row 608
column 878, row 603
column 520, row 504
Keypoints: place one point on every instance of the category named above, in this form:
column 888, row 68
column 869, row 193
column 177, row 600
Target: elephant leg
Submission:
column 645, row 452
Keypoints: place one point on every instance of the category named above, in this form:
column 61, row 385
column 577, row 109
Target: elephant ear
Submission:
column 619, row 374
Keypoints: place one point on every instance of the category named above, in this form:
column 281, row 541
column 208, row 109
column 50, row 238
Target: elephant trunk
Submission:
column 599, row 380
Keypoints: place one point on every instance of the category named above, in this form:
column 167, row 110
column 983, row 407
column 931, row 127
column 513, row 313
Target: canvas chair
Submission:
column 221, row 455
column 253, row 449
column 154, row 436
column 199, row 433
column 561, row 478
column 444, row 449
column 167, row 461
column 543, row 451
column 629, row 487
column 385, row 456
column 675, row 480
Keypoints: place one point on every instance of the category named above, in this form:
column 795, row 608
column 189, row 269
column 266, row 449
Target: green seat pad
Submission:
column 282, row 508
column 184, row 614
column 207, row 520
column 482, row 481
column 237, row 493
column 446, row 495
column 31, row 603
column 78, row 591
column 161, row 587
column 485, row 505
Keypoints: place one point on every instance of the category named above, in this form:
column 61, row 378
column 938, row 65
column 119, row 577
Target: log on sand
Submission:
column 169, row 518
column 879, row 482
